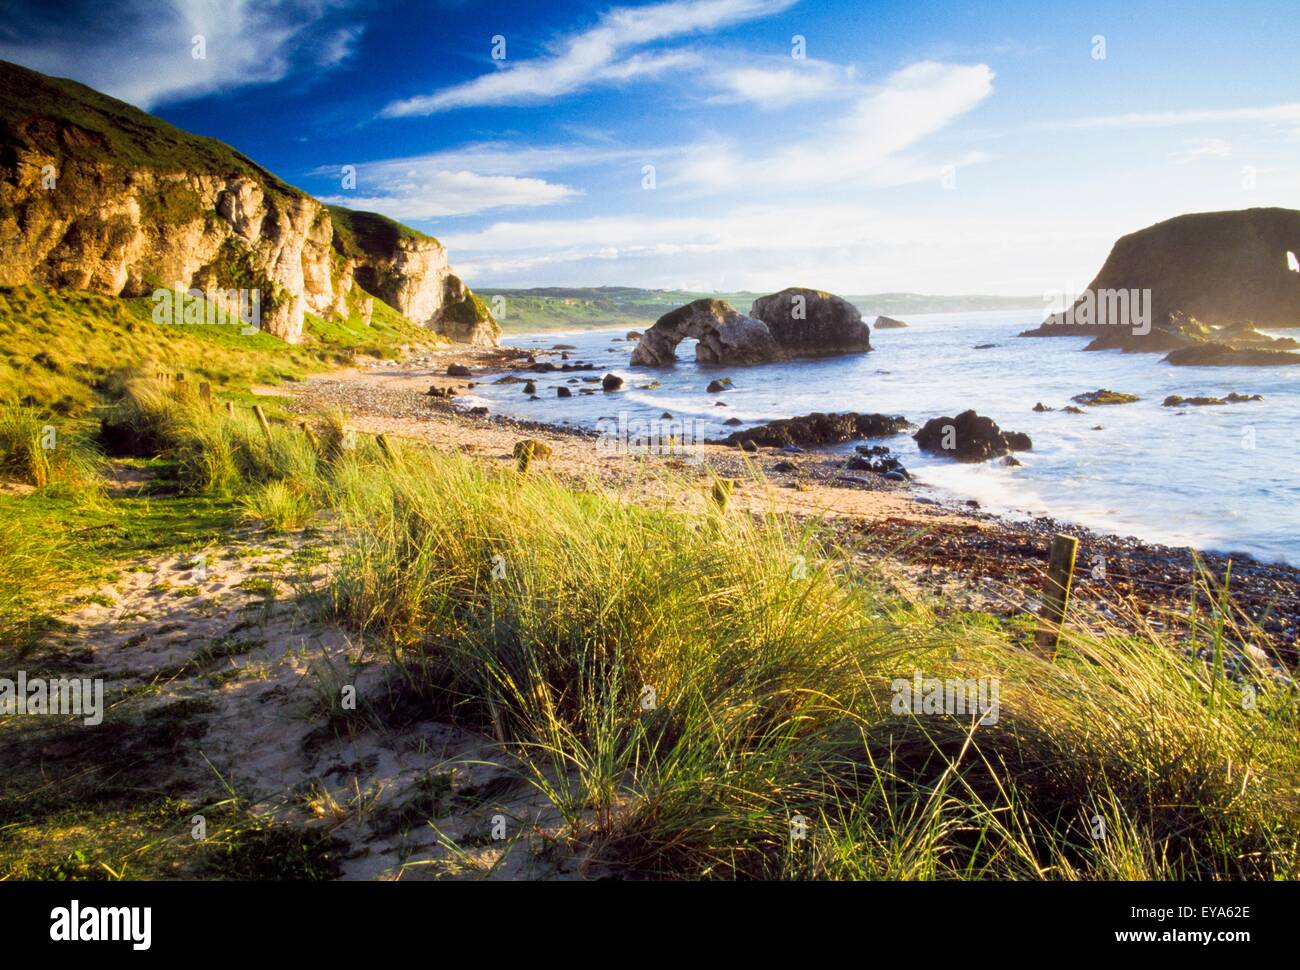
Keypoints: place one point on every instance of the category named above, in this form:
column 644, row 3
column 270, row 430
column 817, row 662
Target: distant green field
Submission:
column 571, row 308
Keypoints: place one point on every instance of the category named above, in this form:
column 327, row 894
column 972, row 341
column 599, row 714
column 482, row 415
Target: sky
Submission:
column 859, row 146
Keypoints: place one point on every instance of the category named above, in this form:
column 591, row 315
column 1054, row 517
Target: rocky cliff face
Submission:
column 1188, row 280
column 97, row 195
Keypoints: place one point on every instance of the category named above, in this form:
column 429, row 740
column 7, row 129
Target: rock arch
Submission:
column 725, row 336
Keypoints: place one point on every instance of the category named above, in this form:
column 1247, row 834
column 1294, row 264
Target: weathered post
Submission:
column 205, row 392
column 386, row 448
column 261, row 419
column 230, row 408
column 311, row 435
column 1056, row 592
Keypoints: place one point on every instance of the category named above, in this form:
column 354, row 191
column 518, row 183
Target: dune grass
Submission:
column 704, row 693
column 711, row 695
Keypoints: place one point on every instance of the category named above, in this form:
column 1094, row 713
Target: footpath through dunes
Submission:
column 229, row 747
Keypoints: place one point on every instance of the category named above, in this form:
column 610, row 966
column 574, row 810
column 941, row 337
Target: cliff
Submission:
column 97, row 195
column 1206, row 273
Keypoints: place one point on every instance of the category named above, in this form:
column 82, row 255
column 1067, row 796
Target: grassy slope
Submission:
column 34, row 106
column 63, row 351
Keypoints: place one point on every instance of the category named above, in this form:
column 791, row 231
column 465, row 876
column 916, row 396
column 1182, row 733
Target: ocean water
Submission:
column 1225, row 479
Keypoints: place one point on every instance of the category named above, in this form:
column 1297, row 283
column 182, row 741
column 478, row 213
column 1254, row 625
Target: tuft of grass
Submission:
column 279, row 505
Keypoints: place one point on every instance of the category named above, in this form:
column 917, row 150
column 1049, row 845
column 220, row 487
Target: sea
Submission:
column 1216, row 478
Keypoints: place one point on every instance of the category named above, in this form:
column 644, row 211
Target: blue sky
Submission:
column 943, row 147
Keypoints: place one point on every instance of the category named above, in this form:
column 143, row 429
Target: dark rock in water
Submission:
column 985, row 346
column 665, row 416
column 544, row 367
column 650, row 386
column 533, row 397
column 969, row 437
column 1104, row 396
column 1216, row 354
column 511, row 379
column 784, row 466
column 591, row 380
column 564, row 356
column 717, row 387
column 812, row 323
column 563, row 392
column 1097, row 427
column 1011, row 460
column 720, row 404
column 479, row 411
column 634, row 335
column 1071, row 409
column 1177, row 401
column 733, row 421
column 888, row 323
column 586, row 390
column 1234, row 398
column 563, row 347
column 1040, row 407
column 822, row 429
column 970, row 502
column 436, row 391
column 871, row 450
column 747, row 445
column 611, row 382
column 530, row 388
column 896, row 476
column 458, row 370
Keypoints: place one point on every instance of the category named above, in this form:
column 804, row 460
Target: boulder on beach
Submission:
column 717, row 387
column 821, row 429
column 563, row 392
column 611, row 382
column 812, row 323
column 969, row 437
column 458, row 370
column 888, row 323
column 530, row 388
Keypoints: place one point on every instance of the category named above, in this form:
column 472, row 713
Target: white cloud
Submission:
column 1197, row 148
column 141, row 51
column 862, row 146
column 421, row 188
column 602, row 54
column 1167, row 119
column 780, row 83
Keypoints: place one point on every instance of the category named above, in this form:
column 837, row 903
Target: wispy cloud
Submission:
column 1167, row 119
column 865, row 144
column 1197, row 148
column 431, row 186
column 144, row 51
column 780, row 82
column 604, row 54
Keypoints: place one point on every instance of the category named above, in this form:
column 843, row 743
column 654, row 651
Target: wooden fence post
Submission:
column 386, row 448
column 261, row 419
column 205, row 392
column 230, row 408
column 1056, row 592
column 311, row 435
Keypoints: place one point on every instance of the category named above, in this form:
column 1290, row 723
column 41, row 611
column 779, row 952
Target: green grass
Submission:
column 703, row 693
column 68, row 350
column 772, row 691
